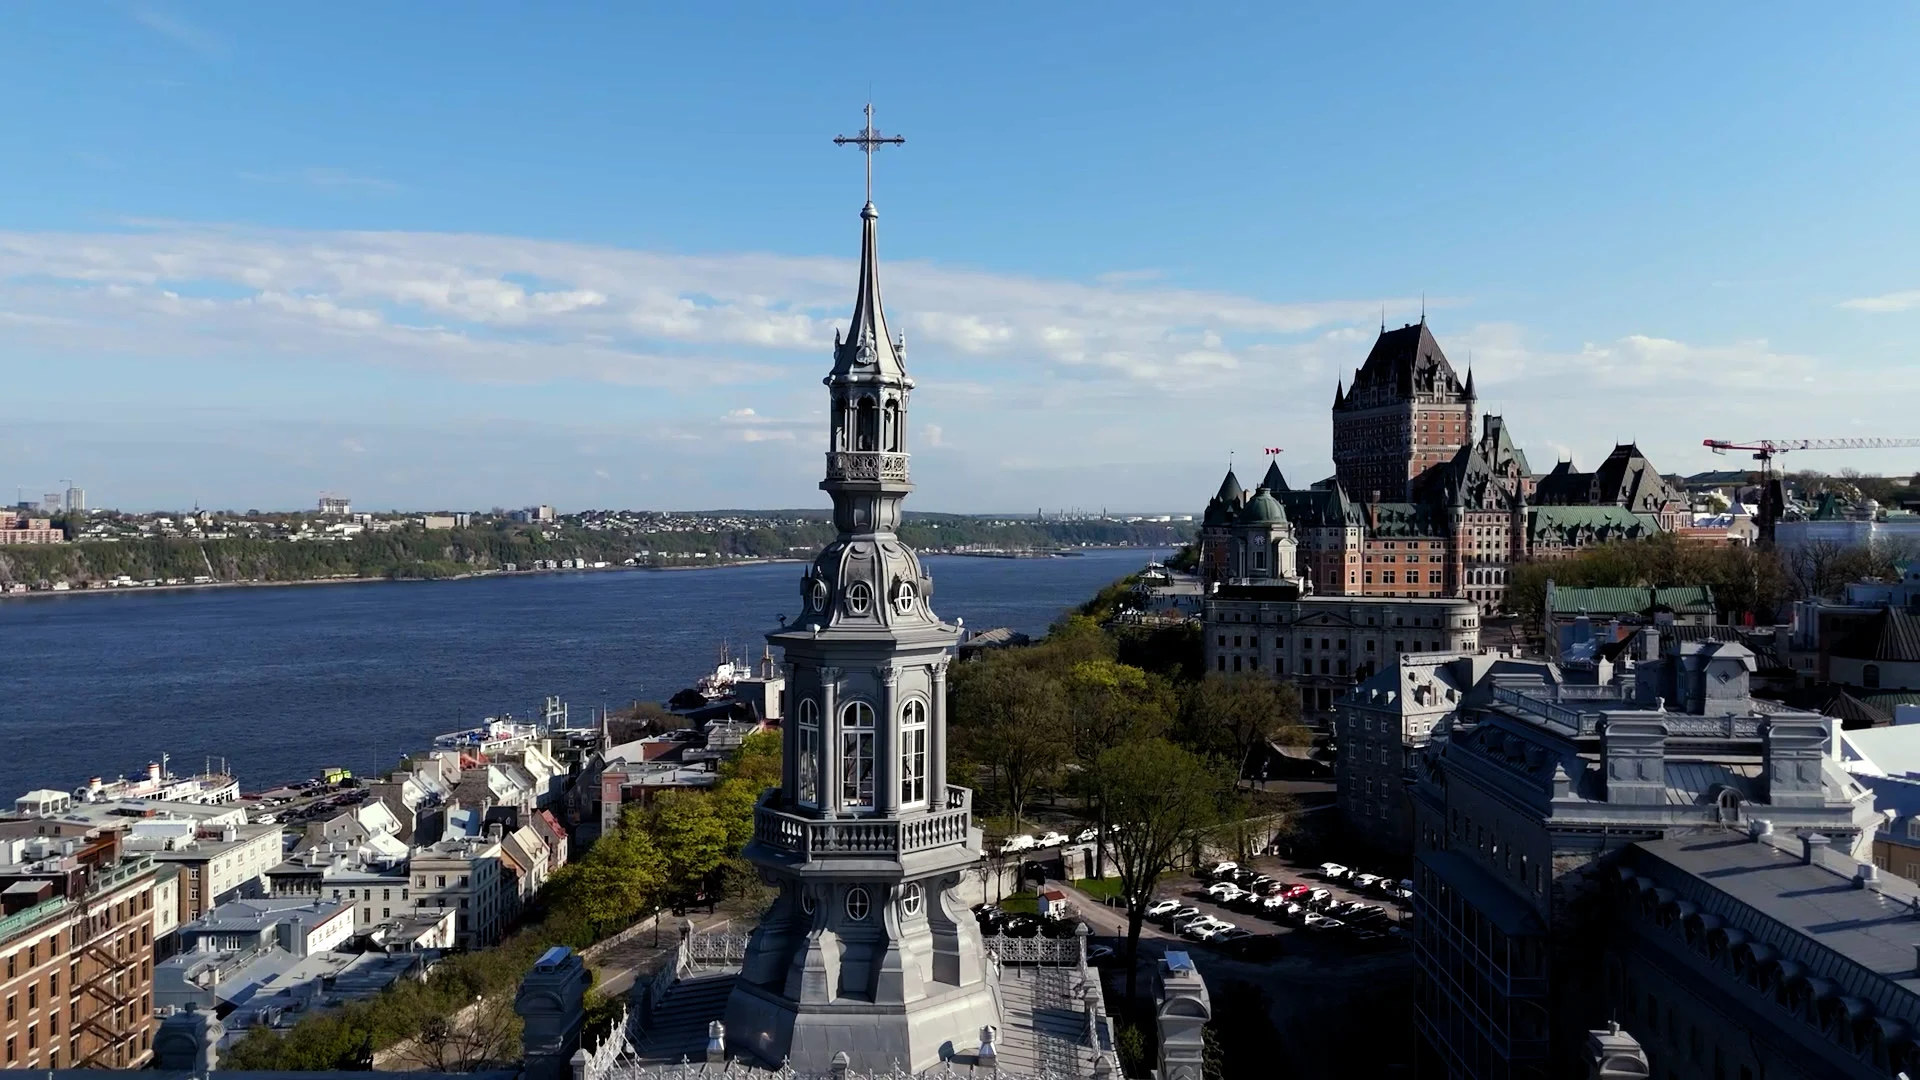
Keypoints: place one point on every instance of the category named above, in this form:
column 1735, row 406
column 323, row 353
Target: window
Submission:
column 857, row 903
column 867, row 425
column 910, row 899
column 856, row 754
column 807, row 759
column 903, row 597
column 1221, row 662
column 859, row 598
column 1870, row 676
column 913, row 753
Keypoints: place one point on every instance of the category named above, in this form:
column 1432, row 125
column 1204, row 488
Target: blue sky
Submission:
column 486, row 254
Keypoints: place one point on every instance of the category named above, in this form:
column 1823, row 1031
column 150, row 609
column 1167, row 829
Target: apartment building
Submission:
column 76, row 942
column 466, row 875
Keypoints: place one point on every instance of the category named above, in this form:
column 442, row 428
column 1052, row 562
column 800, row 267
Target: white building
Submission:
column 465, row 875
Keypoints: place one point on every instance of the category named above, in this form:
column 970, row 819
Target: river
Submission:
column 283, row 681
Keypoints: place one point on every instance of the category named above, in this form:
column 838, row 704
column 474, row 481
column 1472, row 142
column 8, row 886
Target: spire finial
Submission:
column 868, row 141
column 1423, row 296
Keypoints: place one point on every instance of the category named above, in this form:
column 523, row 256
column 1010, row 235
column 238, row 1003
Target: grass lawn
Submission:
column 1021, row 903
column 1101, row 889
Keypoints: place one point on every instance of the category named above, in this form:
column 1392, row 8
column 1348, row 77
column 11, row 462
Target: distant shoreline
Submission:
column 146, row 590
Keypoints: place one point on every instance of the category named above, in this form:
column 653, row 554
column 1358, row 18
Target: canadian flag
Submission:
column 1273, row 450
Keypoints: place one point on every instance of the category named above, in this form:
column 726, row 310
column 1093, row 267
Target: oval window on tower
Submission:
column 859, row 598
column 903, row 597
column 817, row 595
column 910, row 898
column 857, row 903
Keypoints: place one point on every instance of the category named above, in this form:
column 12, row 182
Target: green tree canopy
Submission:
column 1159, row 798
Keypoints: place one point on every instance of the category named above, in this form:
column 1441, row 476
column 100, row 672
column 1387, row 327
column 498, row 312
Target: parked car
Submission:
column 1183, row 915
column 1274, row 904
column 1263, row 885
column 1229, row 937
column 1163, row 907
column 1205, row 929
column 1244, row 877
column 1086, row 834
column 1256, row 947
column 1319, row 896
column 1366, row 881
column 1017, row 843
column 1296, row 889
column 1220, row 869
column 1333, row 871
column 1051, row 839
column 1223, row 890
column 1022, row 926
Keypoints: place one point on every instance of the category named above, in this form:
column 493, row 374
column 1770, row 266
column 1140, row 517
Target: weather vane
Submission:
column 868, row 141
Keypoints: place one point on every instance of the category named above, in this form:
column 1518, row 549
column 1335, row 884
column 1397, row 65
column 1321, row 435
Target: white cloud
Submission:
column 486, row 307
column 1886, row 302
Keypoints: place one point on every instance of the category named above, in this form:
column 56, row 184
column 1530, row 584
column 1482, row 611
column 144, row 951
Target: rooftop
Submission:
column 1863, row 937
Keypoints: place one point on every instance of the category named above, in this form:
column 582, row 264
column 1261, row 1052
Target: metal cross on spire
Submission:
column 868, row 141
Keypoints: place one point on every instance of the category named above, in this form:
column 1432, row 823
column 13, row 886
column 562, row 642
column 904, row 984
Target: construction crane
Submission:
column 1773, row 498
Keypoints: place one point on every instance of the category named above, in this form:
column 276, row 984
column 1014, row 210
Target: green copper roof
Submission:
column 1628, row 599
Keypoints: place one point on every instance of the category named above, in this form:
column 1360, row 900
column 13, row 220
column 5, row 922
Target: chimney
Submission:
column 1865, row 874
column 1811, row 845
column 1759, row 829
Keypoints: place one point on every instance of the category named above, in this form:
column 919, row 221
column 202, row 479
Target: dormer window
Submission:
column 817, row 595
column 903, row 597
column 859, row 598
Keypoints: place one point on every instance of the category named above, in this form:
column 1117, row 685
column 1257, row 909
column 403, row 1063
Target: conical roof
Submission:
column 1273, row 481
column 1230, row 489
column 868, row 350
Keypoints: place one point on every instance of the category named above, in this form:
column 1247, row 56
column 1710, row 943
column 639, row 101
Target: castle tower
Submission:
column 866, row 951
column 1406, row 410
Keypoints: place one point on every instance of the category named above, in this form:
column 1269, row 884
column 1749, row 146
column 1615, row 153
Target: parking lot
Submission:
column 1301, row 1000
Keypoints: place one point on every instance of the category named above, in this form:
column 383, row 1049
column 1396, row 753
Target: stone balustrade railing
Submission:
column 815, row 837
column 866, row 465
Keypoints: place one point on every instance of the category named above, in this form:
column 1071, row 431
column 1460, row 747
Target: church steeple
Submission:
column 867, row 351
column 864, row 839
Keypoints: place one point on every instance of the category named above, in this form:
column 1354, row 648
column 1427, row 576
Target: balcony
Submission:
column 866, row 465
column 812, row 838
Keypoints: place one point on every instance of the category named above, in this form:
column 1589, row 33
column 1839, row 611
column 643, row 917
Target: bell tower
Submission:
column 866, row 950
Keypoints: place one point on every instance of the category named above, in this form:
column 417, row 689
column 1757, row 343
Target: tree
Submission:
column 692, row 837
column 1160, row 798
column 1227, row 716
column 1109, row 703
column 1009, row 716
column 609, row 888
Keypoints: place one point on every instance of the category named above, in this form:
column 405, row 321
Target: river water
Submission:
column 283, row 681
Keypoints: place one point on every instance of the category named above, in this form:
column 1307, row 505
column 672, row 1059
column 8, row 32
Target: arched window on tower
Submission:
column 856, row 754
column 895, row 437
column 913, row 753
column 840, row 425
column 807, row 762
column 867, row 425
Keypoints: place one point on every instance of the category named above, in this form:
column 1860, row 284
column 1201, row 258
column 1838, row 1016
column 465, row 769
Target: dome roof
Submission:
column 1263, row 509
